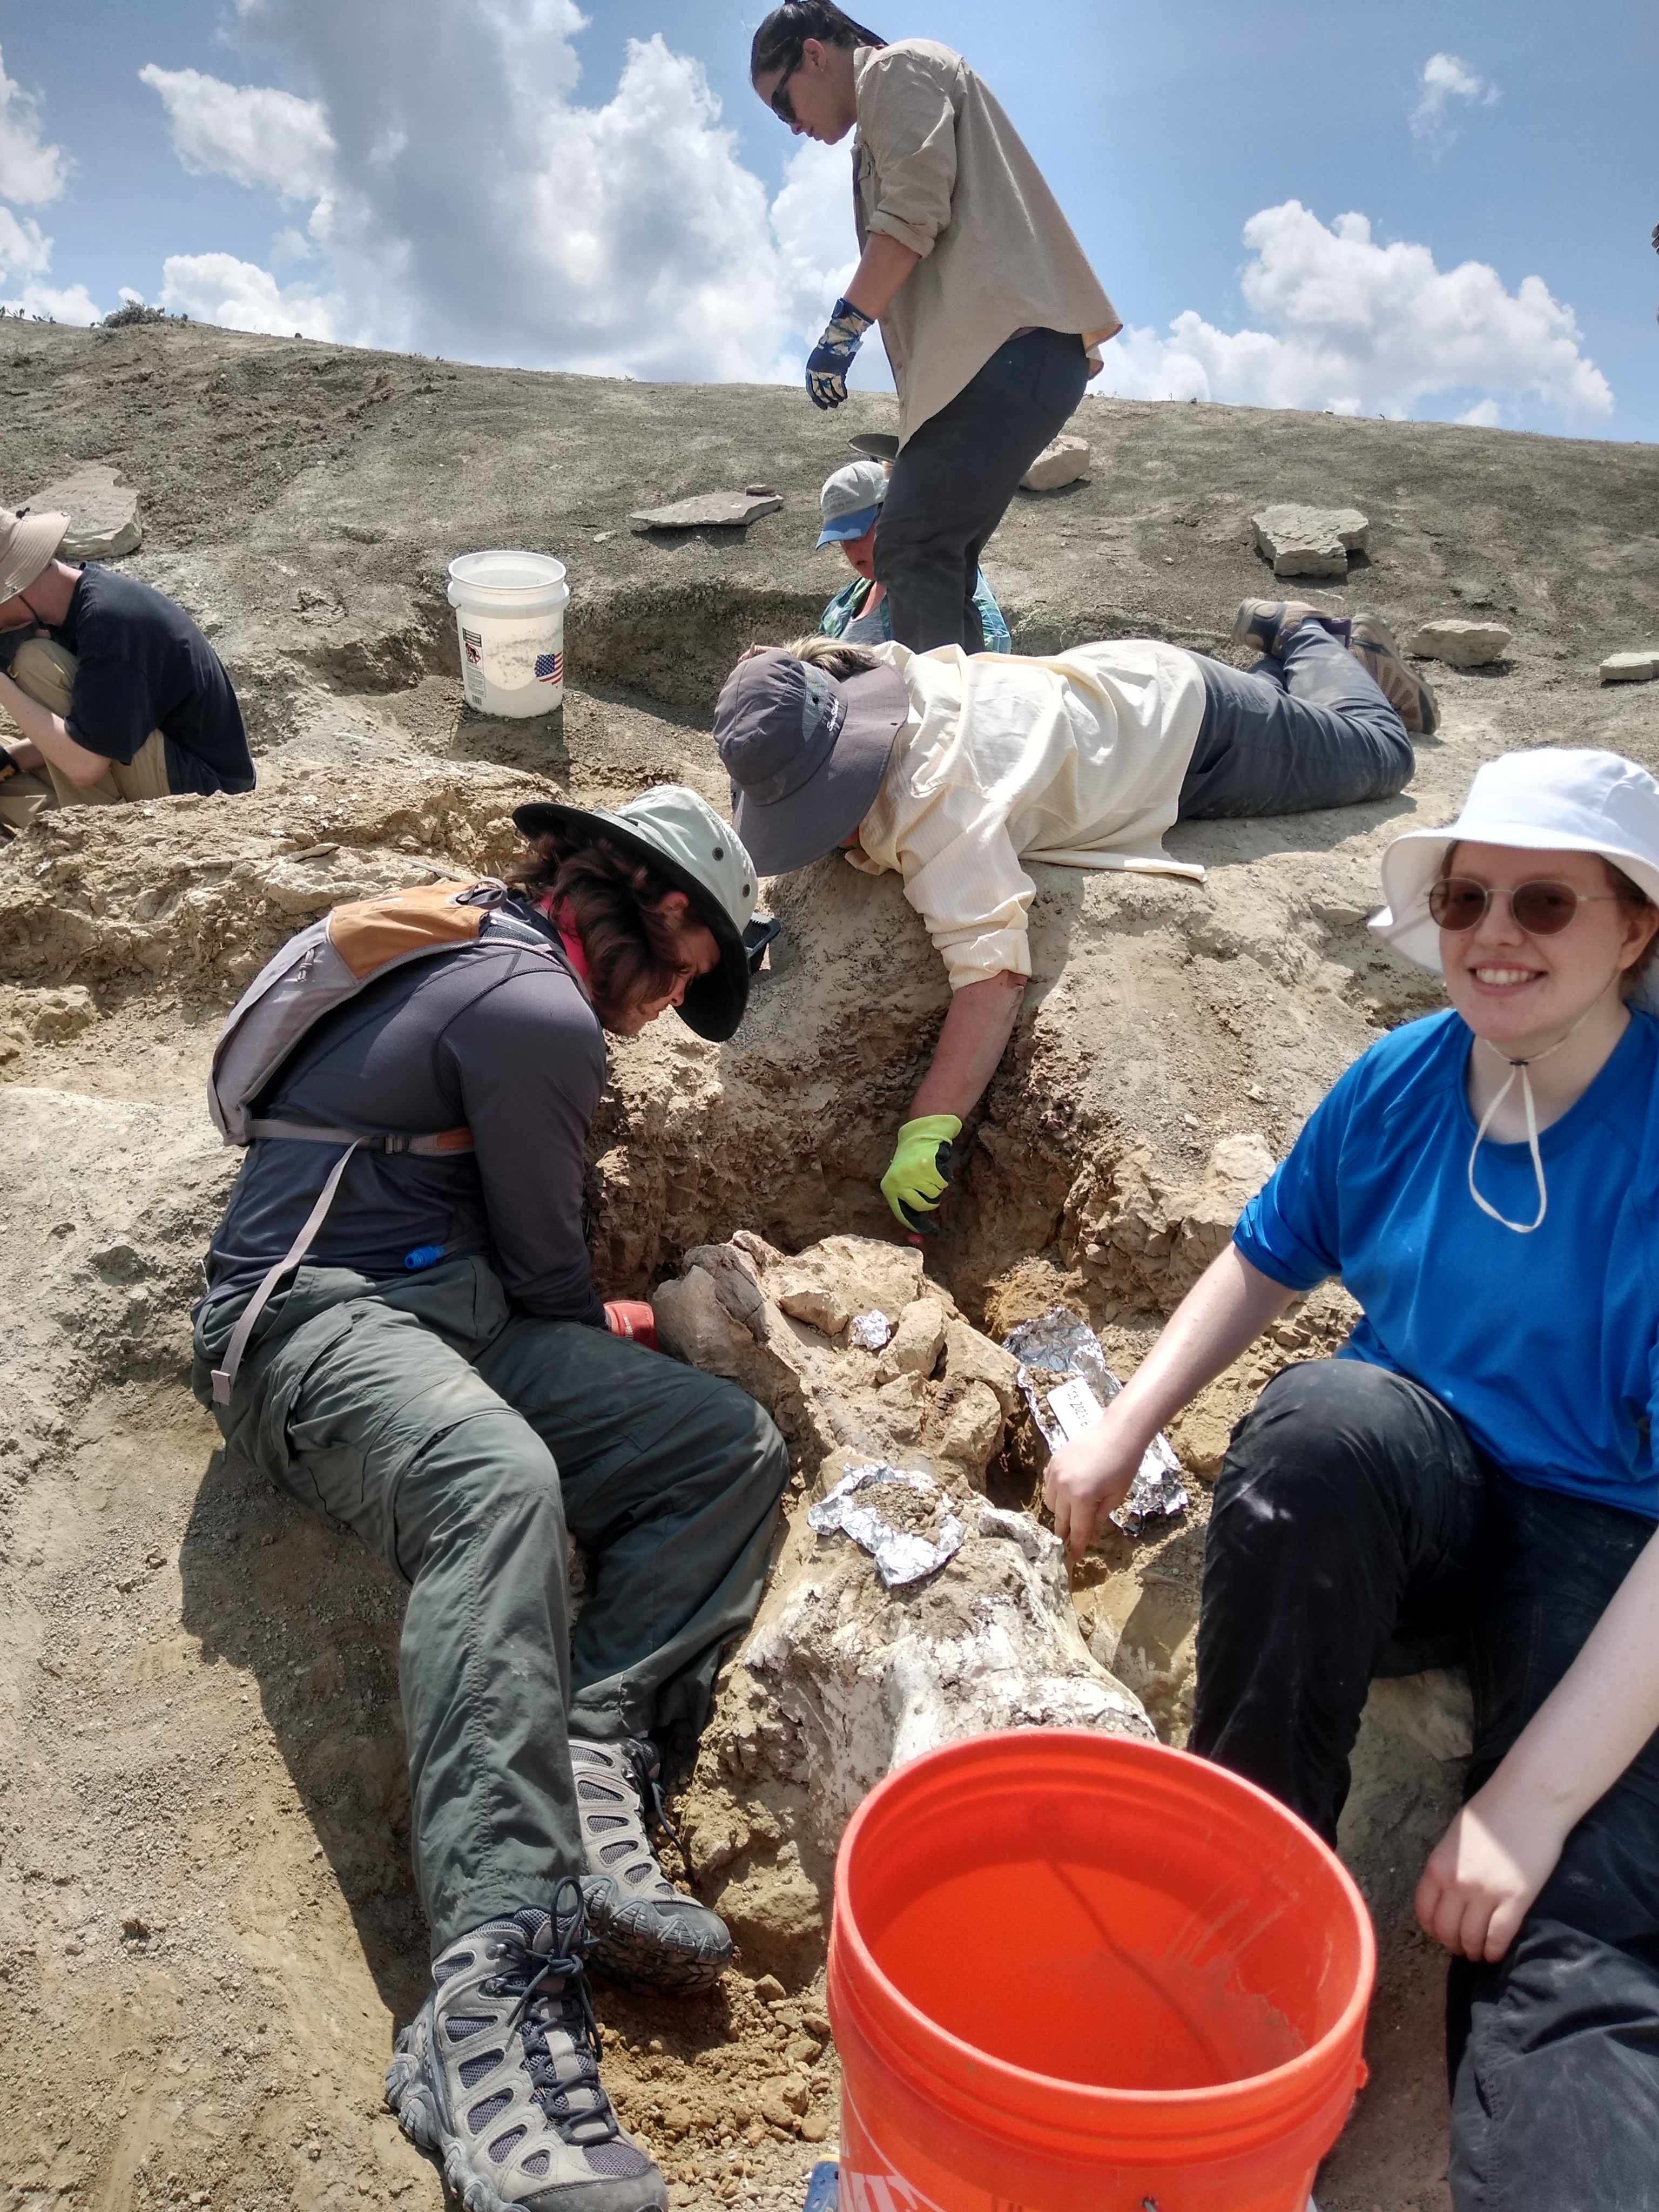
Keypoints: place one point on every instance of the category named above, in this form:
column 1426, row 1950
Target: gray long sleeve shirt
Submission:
column 496, row 1036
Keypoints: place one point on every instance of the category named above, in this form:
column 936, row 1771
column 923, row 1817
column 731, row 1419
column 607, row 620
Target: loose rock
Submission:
column 1630, row 667
column 1461, row 644
column 1310, row 541
column 103, row 514
column 1064, row 460
column 710, row 510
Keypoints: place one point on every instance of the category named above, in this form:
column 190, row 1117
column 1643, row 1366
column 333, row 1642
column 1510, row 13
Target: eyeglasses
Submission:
column 780, row 104
column 1544, row 910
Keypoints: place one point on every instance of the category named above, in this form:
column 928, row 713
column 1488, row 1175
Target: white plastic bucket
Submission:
column 509, row 612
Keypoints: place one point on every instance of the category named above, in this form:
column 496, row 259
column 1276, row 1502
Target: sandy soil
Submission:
column 207, row 1931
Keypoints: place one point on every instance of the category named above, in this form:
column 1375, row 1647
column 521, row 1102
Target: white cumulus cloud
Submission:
column 1361, row 328
column 253, row 133
column 1446, row 79
column 217, row 288
column 470, row 203
column 30, row 170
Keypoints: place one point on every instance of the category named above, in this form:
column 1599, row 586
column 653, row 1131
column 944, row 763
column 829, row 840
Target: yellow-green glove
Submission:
column 920, row 1172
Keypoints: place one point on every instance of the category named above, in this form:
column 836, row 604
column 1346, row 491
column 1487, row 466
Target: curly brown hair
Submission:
column 613, row 903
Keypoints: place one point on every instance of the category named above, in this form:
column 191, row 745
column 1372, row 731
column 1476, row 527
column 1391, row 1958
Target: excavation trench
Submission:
column 203, row 1674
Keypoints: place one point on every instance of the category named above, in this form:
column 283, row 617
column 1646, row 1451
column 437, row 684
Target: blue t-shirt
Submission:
column 1546, row 1346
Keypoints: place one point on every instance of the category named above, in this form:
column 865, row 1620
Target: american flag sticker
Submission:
column 549, row 668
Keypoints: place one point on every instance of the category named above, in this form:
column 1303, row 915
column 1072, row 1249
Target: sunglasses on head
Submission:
column 1542, row 909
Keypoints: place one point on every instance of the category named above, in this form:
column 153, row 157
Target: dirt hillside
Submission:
column 207, row 1930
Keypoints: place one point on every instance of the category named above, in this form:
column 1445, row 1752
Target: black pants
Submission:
column 1358, row 1531
column 952, row 484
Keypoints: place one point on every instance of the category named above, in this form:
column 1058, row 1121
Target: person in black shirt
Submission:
column 117, row 694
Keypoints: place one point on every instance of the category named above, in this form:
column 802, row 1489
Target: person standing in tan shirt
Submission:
column 991, row 316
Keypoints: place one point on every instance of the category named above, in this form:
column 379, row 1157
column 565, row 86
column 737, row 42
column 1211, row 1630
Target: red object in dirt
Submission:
column 1079, row 1973
column 632, row 1317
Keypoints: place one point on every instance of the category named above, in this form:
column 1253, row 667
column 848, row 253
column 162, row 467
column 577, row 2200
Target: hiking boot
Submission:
column 647, row 1935
column 1264, row 624
column 498, row 2074
column 1373, row 645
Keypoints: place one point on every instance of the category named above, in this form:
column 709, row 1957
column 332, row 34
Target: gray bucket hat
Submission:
column 805, row 751
column 678, row 833
column 28, row 544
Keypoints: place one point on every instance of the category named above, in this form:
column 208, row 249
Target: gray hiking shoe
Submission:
column 1374, row 646
column 498, row 2074
column 647, row 1936
column 1263, row 625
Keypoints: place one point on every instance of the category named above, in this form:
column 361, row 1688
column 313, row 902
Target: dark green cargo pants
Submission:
column 462, row 1440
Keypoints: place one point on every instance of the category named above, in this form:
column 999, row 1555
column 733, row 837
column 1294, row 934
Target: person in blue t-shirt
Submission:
column 1473, row 1475
column 861, row 613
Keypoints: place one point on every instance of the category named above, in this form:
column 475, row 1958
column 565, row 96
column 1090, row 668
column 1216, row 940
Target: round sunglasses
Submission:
column 1542, row 909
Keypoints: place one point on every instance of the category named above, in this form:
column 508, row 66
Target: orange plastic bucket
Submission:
column 1073, row 1973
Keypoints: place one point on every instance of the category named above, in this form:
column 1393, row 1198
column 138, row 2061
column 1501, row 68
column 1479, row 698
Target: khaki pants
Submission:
column 45, row 672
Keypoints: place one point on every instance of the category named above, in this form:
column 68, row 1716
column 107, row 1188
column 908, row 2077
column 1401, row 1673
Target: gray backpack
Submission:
column 314, row 973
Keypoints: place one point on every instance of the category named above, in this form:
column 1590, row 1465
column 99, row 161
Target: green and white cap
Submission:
column 676, row 831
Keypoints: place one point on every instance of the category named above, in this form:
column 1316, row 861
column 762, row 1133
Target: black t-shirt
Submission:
column 496, row 1035
column 142, row 666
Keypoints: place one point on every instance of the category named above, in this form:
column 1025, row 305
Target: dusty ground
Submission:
column 207, row 1932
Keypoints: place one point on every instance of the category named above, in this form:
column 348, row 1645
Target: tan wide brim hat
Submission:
column 28, row 544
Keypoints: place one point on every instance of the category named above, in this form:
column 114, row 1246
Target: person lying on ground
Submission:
column 1473, row 1475
column 955, row 770
column 861, row 612
column 116, row 693
column 992, row 317
column 442, row 1375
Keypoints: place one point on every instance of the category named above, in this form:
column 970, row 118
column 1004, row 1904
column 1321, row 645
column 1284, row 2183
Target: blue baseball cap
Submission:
column 851, row 501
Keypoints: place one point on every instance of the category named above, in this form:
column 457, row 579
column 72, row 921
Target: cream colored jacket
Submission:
column 937, row 165
column 1077, row 761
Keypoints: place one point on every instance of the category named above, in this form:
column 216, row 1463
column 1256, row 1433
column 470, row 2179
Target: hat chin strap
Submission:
column 1520, row 1068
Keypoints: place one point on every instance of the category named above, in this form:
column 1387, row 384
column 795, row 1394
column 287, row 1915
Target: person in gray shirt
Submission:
column 441, row 1374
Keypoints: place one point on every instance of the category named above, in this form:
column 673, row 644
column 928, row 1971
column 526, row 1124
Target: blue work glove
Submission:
column 833, row 355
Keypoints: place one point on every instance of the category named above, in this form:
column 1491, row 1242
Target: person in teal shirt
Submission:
column 859, row 613
column 1474, row 1476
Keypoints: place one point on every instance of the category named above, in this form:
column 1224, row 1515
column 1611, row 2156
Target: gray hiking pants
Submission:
column 463, row 1440
column 1308, row 731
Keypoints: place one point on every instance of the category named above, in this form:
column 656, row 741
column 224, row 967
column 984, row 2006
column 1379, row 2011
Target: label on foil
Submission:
column 1076, row 1407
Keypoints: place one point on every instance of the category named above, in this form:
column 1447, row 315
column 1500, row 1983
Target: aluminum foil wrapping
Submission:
column 854, row 1508
column 869, row 1330
column 1059, row 1342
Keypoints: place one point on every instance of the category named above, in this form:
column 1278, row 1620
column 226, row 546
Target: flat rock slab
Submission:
column 103, row 514
column 1310, row 541
column 1630, row 667
column 710, row 510
column 1461, row 644
column 1065, row 460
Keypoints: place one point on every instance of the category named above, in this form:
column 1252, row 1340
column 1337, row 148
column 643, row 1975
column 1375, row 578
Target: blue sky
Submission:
column 490, row 180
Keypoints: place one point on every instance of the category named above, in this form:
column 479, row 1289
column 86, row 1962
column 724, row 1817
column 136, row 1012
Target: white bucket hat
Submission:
column 1557, row 799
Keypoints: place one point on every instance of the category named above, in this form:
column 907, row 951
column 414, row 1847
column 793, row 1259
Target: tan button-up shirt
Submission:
column 937, row 165
column 1078, row 760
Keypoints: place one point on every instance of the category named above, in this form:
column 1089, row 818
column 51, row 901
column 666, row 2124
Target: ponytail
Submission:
column 778, row 43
